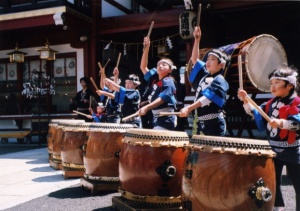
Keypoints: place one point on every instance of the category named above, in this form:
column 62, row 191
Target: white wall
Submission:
column 66, row 48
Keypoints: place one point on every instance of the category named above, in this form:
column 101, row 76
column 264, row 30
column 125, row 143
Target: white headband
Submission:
column 292, row 79
column 173, row 67
column 222, row 60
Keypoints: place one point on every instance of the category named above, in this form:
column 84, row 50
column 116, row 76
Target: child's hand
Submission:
column 146, row 41
column 99, row 92
column 242, row 95
column 143, row 111
column 90, row 117
column 116, row 71
column 197, row 32
column 184, row 112
column 276, row 123
column 102, row 71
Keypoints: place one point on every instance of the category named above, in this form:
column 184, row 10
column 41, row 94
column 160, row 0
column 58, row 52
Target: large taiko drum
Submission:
column 260, row 56
column 101, row 154
column 72, row 149
column 52, row 128
column 228, row 174
column 151, row 167
column 58, row 136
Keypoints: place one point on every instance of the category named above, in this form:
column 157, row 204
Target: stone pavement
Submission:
column 27, row 175
column 29, row 183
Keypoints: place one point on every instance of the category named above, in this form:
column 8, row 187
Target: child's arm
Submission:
column 143, row 111
column 144, row 60
column 103, row 76
column 107, row 94
column 116, row 75
column 112, row 85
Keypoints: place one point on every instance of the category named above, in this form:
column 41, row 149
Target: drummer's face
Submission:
column 213, row 65
column 163, row 69
column 279, row 88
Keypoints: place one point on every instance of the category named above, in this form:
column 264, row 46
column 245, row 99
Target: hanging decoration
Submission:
column 155, row 43
column 169, row 42
column 124, row 51
column 39, row 84
column 107, row 46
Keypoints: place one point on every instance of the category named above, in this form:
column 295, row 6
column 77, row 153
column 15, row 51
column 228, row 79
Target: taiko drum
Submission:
column 228, row 174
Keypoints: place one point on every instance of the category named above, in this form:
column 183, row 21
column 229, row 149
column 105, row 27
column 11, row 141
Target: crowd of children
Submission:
column 206, row 77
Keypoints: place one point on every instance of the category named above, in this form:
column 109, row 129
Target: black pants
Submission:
column 294, row 174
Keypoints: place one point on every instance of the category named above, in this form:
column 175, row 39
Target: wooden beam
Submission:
column 119, row 6
column 137, row 22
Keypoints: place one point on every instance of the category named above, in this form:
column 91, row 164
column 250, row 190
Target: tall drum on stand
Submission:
column 228, row 174
column 151, row 169
column 101, row 156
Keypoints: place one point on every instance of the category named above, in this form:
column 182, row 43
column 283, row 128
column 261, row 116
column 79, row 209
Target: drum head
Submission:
column 263, row 55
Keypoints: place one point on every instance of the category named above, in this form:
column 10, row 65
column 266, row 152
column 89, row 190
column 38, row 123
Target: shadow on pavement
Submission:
column 50, row 178
column 75, row 192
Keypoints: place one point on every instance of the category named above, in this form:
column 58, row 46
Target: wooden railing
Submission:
column 13, row 6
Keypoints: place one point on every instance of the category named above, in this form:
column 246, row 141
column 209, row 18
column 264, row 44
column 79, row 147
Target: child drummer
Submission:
column 283, row 130
column 128, row 97
column 112, row 107
column 211, row 88
column 162, row 97
column 100, row 115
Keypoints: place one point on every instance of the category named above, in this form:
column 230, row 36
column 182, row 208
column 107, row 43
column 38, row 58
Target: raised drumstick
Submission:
column 149, row 31
column 118, row 60
column 199, row 15
column 240, row 71
column 93, row 82
column 106, row 63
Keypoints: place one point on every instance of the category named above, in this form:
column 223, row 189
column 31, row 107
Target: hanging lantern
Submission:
column 47, row 53
column 187, row 22
column 16, row 55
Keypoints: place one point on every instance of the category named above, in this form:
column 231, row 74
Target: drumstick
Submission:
column 118, row 60
column 240, row 71
column 149, row 31
column 130, row 116
column 100, row 66
column 80, row 113
column 106, row 63
column 168, row 113
column 93, row 82
column 90, row 101
column 258, row 108
column 198, row 15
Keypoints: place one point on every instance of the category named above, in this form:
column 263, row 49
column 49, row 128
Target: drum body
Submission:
column 52, row 129
column 58, row 136
column 72, row 146
column 102, row 148
column 151, row 167
column 228, row 174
